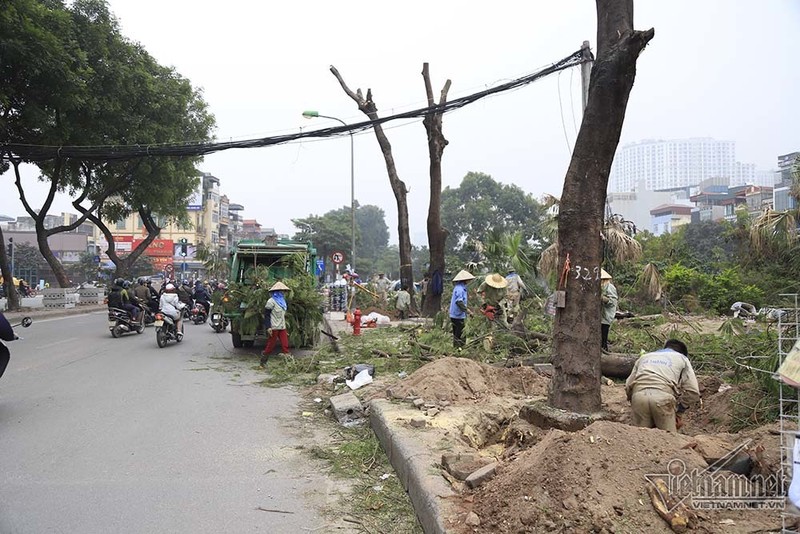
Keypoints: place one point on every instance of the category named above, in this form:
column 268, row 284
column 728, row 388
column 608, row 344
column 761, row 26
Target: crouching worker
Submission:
column 662, row 385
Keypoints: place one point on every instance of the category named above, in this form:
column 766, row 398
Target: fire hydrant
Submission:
column 357, row 322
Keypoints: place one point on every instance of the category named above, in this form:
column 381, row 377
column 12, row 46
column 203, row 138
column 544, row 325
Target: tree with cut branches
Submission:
column 368, row 107
column 437, row 235
column 576, row 332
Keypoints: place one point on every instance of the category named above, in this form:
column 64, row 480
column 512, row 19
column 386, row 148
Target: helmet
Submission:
column 169, row 287
column 186, row 283
column 126, row 284
column 142, row 280
column 118, row 281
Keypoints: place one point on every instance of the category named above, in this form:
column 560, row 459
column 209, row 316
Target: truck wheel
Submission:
column 248, row 343
column 236, row 339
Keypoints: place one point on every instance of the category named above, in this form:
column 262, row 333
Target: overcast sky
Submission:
column 718, row 68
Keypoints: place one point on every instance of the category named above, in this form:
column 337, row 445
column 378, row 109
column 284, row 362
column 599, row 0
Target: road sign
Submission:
column 337, row 257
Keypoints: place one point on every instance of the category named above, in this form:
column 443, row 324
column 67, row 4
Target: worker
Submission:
column 403, row 302
column 276, row 309
column 458, row 307
column 423, row 290
column 661, row 386
column 382, row 285
column 609, row 299
column 514, row 291
column 493, row 289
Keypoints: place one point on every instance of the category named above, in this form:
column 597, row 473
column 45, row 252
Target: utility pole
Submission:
column 586, row 71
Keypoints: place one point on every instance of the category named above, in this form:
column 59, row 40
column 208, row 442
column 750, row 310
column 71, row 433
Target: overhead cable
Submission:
column 34, row 153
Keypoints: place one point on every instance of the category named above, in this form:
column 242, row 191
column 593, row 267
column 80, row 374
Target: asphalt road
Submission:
column 103, row 435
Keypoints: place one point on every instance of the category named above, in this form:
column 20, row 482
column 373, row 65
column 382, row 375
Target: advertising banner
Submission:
column 158, row 248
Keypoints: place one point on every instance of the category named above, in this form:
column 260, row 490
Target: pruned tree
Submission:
column 437, row 235
column 576, row 332
column 368, row 108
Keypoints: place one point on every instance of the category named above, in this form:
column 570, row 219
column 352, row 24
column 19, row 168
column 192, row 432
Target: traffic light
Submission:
column 184, row 242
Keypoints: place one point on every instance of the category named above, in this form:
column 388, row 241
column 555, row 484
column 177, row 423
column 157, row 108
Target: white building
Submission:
column 672, row 164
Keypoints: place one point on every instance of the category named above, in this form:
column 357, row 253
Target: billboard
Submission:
column 159, row 248
column 196, row 200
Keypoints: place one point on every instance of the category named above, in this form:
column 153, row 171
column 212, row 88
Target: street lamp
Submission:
column 314, row 115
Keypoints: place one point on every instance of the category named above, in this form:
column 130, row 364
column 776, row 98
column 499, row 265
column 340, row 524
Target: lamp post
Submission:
column 313, row 115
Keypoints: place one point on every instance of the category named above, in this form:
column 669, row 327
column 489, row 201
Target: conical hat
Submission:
column 463, row 276
column 279, row 286
column 496, row 280
column 604, row 275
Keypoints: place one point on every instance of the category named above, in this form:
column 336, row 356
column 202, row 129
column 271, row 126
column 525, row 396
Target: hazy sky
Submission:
column 719, row 68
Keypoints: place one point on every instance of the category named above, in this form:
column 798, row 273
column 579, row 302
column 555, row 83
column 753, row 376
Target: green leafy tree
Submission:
column 112, row 93
column 480, row 205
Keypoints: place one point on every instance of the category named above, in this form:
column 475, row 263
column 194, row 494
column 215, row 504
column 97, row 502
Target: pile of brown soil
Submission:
column 462, row 380
column 594, row 481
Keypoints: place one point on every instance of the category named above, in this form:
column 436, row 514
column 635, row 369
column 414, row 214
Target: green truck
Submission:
column 253, row 264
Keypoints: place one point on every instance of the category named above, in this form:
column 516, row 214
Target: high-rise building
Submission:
column 672, row 164
column 786, row 163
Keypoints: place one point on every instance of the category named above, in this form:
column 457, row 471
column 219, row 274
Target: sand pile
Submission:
column 461, row 379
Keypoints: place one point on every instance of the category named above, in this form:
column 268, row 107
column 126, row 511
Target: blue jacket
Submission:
column 459, row 294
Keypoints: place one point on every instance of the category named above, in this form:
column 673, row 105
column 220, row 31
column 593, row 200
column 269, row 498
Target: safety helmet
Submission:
column 118, row 281
column 126, row 284
column 169, row 287
column 142, row 280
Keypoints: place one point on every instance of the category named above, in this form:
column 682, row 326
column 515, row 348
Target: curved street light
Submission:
column 314, row 115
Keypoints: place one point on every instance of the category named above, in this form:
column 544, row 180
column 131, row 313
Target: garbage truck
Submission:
column 282, row 259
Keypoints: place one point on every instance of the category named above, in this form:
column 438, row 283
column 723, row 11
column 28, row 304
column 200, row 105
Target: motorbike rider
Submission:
column 185, row 293
column 170, row 304
column 136, row 306
column 201, row 295
column 6, row 334
column 154, row 295
column 118, row 298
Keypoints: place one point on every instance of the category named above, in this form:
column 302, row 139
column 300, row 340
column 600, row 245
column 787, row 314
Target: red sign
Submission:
column 161, row 263
column 337, row 257
column 159, row 248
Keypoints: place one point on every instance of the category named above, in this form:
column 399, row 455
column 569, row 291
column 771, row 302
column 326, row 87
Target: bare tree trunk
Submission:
column 368, row 107
column 576, row 333
column 437, row 236
column 10, row 290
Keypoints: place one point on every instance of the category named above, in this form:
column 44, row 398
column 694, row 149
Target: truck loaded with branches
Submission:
column 254, row 267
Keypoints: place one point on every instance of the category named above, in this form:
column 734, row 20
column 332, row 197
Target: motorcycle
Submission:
column 5, row 355
column 199, row 313
column 120, row 322
column 219, row 323
column 166, row 330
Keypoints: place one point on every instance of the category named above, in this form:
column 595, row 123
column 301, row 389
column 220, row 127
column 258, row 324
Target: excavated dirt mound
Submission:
column 594, row 481
column 461, row 379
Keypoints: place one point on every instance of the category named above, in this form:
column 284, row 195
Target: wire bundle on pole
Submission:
column 34, row 153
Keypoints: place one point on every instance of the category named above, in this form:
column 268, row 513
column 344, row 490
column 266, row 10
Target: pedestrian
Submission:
column 661, row 386
column 458, row 307
column 609, row 299
column 493, row 290
column 403, row 302
column 276, row 308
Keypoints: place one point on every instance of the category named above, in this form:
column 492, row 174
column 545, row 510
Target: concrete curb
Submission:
column 41, row 313
column 413, row 464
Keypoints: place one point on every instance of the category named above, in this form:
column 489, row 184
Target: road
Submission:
column 103, row 435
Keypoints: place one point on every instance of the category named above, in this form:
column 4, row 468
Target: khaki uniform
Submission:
column 658, row 381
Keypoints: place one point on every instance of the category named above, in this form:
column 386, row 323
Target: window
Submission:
column 121, row 224
column 139, row 222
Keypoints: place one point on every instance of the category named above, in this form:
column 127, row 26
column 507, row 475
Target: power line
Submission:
column 33, row 153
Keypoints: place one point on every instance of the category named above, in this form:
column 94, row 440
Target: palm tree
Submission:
column 508, row 250
column 774, row 233
column 215, row 264
column 619, row 243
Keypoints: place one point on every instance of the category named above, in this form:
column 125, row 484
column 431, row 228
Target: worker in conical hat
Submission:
column 609, row 299
column 493, row 290
column 275, row 310
column 458, row 306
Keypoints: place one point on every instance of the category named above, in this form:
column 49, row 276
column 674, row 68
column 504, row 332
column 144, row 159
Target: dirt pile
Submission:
column 462, row 380
column 594, row 481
